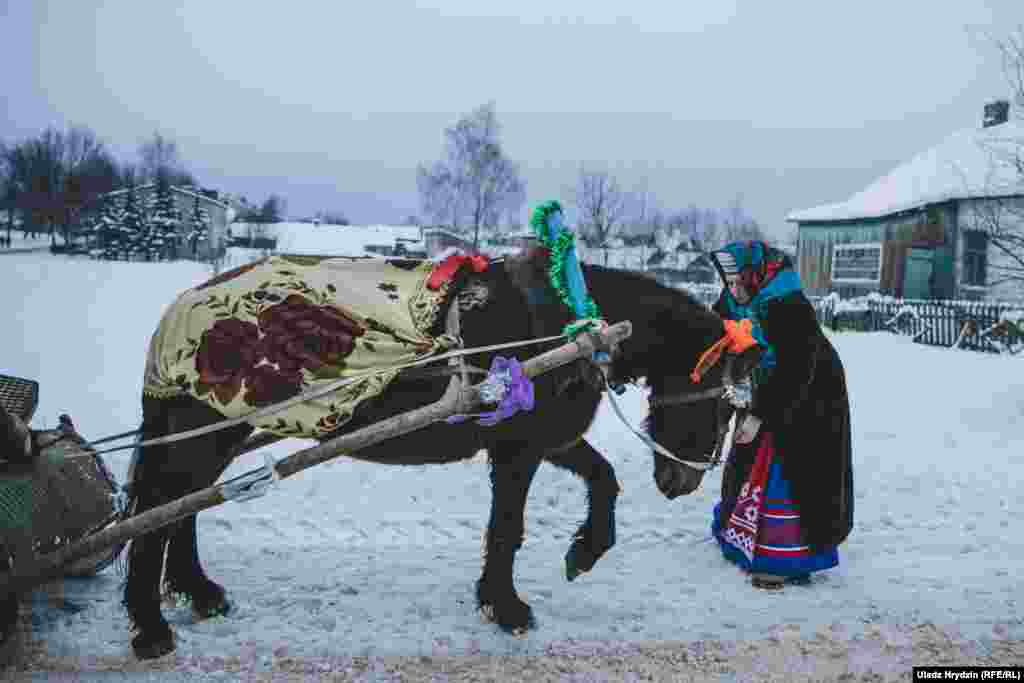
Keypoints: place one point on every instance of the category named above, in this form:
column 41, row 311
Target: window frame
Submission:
column 836, row 248
column 969, row 265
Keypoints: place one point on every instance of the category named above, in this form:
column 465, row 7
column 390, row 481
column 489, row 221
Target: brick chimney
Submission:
column 995, row 113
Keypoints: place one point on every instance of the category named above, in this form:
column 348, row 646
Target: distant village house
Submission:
column 218, row 212
column 921, row 231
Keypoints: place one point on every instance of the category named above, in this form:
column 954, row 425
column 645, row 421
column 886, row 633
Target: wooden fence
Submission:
column 975, row 325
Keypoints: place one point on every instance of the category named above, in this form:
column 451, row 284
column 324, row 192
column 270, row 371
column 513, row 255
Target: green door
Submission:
column 917, row 275
column 942, row 271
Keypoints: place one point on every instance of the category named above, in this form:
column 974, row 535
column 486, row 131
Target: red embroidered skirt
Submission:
column 762, row 533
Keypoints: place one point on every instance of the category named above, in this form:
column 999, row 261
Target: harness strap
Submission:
column 323, row 391
column 739, row 336
column 654, row 445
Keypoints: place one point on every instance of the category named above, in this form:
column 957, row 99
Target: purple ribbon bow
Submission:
column 506, row 385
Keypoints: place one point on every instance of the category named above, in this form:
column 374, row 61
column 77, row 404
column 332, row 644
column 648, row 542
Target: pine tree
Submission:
column 106, row 226
column 134, row 230
column 199, row 227
column 165, row 218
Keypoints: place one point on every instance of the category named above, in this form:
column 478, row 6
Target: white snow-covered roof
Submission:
column 174, row 188
column 975, row 162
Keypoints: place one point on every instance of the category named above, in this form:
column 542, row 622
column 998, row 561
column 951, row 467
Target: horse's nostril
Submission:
column 664, row 480
column 669, row 482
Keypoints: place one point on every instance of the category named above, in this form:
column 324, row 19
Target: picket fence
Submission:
column 974, row 325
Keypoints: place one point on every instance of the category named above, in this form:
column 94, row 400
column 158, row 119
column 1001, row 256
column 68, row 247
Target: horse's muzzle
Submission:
column 674, row 479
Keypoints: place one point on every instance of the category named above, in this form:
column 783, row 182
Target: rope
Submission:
column 115, row 437
column 657, row 447
column 316, row 393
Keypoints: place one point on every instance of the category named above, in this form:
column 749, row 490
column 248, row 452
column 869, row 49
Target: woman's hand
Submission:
column 747, row 430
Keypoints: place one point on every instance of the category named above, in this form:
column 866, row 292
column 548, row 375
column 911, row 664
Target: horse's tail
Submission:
column 154, row 425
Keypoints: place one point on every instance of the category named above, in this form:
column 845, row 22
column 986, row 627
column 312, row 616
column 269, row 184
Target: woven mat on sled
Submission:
column 58, row 497
column 262, row 333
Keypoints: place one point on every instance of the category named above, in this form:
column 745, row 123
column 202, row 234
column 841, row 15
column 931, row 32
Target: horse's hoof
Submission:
column 579, row 560
column 148, row 646
column 210, row 601
column 217, row 608
column 514, row 618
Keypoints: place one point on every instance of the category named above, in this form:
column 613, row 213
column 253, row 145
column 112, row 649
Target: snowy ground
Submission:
column 352, row 560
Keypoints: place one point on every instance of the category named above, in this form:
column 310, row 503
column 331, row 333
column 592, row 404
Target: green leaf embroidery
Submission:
column 327, row 372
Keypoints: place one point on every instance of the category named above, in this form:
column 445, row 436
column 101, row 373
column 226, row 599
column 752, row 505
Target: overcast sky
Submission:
column 785, row 104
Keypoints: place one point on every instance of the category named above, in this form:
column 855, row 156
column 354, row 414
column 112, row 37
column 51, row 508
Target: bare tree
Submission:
column 273, row 209
column 1001, row 217
column 1011, row 50
column 700, row 227
column 51, row 177
column 475, row 184
column 601, row 204
column 737, row 225
column 158, row 157
column 8, row 192
column 440, row 195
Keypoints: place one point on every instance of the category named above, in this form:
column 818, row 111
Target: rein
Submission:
column 316, row 393
column 724, row 436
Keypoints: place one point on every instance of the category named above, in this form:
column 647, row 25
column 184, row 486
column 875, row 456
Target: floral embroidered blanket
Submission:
column 269, row 330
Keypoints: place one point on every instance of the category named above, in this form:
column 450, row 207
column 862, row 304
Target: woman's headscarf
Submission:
column 766, row 273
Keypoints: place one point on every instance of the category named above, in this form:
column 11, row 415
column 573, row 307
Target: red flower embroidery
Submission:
column 227, row 352
column 265, row 386
column 298, row 334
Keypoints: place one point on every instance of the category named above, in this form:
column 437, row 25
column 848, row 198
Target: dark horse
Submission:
column 510, row 301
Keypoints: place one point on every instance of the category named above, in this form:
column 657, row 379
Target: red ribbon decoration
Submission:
column 447, row 269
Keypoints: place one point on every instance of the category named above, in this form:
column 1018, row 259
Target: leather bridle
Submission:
column 721, row 392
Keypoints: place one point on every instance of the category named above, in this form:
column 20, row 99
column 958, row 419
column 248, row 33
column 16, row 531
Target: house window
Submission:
column 975, row 258
column 857, row 263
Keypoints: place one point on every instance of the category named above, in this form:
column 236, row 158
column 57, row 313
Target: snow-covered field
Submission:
column 356, row 560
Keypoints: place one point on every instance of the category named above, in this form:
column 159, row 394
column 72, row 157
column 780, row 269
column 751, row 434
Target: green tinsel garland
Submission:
column 556, row 267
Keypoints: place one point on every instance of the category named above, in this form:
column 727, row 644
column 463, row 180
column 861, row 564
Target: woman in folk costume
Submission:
column 787, row 491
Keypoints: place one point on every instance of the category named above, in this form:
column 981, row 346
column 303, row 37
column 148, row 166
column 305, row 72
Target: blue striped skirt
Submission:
column 762, row 533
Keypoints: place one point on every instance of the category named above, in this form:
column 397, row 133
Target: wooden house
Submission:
column 922, row 231
column 219, row 213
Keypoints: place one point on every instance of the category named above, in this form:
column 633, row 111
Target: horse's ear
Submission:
column 529, row 266
column 528, row 269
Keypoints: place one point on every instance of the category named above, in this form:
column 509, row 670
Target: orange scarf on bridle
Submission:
column 738, row 338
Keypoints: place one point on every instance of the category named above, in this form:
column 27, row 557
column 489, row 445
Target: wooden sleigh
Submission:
column 100, row 544
column 52, row 494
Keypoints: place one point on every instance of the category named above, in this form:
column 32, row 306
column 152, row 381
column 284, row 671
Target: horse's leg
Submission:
column 146, row 553
column 183, row 574
column 512, row 470
column 163, row 474
column 597, row 533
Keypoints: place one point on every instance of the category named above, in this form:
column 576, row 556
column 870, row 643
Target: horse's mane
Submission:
column 663, row 317
column 633, row 284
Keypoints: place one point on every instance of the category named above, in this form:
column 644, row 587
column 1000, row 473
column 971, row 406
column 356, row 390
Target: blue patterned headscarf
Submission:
column 767, row 273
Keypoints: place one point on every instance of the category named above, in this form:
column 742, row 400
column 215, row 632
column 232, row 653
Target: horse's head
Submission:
column 671, row 331
column 691, row 419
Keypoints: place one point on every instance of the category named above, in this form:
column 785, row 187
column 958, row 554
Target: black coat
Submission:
column 803, row 402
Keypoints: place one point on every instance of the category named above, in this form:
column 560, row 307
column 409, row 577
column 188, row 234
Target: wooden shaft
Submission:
column 28, row 574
